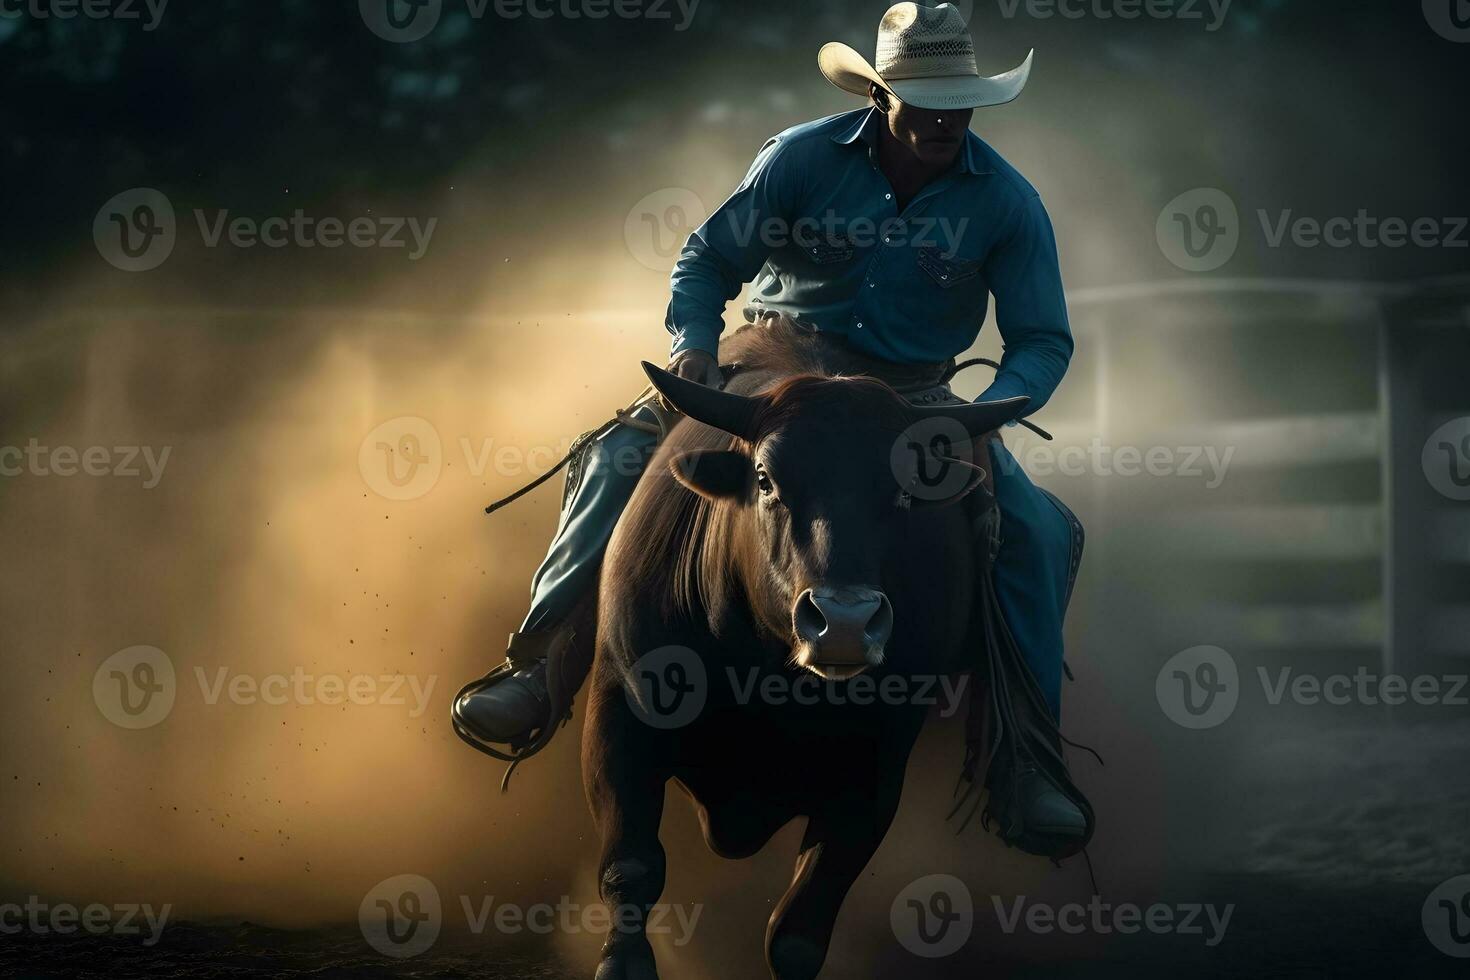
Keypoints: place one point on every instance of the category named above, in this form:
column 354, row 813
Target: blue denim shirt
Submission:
column 814, row 225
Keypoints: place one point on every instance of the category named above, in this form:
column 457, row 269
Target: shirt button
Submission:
column 887, row 197
column 860, row 325
column 886, row 239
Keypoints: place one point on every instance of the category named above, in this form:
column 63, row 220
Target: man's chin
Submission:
column 937, row 151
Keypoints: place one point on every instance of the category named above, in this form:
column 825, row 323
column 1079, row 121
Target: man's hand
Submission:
column 698, row 366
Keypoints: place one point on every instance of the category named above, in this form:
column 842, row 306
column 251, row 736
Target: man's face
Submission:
column 933, row 135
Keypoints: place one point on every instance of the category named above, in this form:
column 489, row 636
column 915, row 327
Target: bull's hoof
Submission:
column 794, row 957
column 631, row 959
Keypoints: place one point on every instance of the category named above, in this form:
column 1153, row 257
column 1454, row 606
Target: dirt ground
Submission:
column 1280, row 930
column 1336, row 839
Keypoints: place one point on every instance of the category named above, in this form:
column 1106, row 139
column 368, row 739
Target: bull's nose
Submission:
column 841, row 628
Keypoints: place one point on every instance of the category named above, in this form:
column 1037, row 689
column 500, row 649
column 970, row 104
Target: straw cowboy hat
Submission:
column 925, row 57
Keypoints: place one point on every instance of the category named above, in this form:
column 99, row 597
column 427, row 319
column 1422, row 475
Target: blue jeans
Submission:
column 1040, row 550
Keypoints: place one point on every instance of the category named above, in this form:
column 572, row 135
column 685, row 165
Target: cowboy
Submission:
column 899, row 224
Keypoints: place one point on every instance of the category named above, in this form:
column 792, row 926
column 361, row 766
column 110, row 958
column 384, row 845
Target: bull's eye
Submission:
column 763, row 481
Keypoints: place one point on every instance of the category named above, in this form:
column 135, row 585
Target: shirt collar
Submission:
column 864, row 128
column 972, row 158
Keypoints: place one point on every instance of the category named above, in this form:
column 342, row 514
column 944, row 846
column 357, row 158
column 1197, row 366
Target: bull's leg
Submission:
column 624, row 781
column 834, row 852
column 839, row 842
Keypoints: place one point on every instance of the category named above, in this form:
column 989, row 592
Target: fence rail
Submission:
column 1404, row 338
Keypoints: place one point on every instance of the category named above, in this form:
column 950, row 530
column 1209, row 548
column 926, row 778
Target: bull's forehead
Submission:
column 821, row 450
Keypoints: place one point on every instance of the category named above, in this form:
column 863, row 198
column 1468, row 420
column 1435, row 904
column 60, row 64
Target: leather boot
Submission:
column 512, row 707
column 1031, row 813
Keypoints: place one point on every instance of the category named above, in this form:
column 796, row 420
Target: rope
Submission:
column 972, row 362
column 623, row 416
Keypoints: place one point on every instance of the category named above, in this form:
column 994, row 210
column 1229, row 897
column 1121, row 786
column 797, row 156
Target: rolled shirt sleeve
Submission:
column 728, row 250
column 1030, row 309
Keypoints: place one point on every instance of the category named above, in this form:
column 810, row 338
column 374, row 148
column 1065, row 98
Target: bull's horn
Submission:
column 723, row 410
column 978, row 418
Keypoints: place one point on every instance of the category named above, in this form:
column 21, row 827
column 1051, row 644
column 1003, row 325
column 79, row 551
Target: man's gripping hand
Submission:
column 698, row 366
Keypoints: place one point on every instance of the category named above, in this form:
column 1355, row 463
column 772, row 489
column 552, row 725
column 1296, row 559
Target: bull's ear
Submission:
column 716, row 474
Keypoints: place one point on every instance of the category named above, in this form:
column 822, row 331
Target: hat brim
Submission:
column 851, row 72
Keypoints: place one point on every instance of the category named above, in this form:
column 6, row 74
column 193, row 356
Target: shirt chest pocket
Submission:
column 945, row 272
column 830, row 250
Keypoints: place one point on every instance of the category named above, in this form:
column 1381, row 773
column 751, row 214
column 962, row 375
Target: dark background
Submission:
column 1322, row 108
